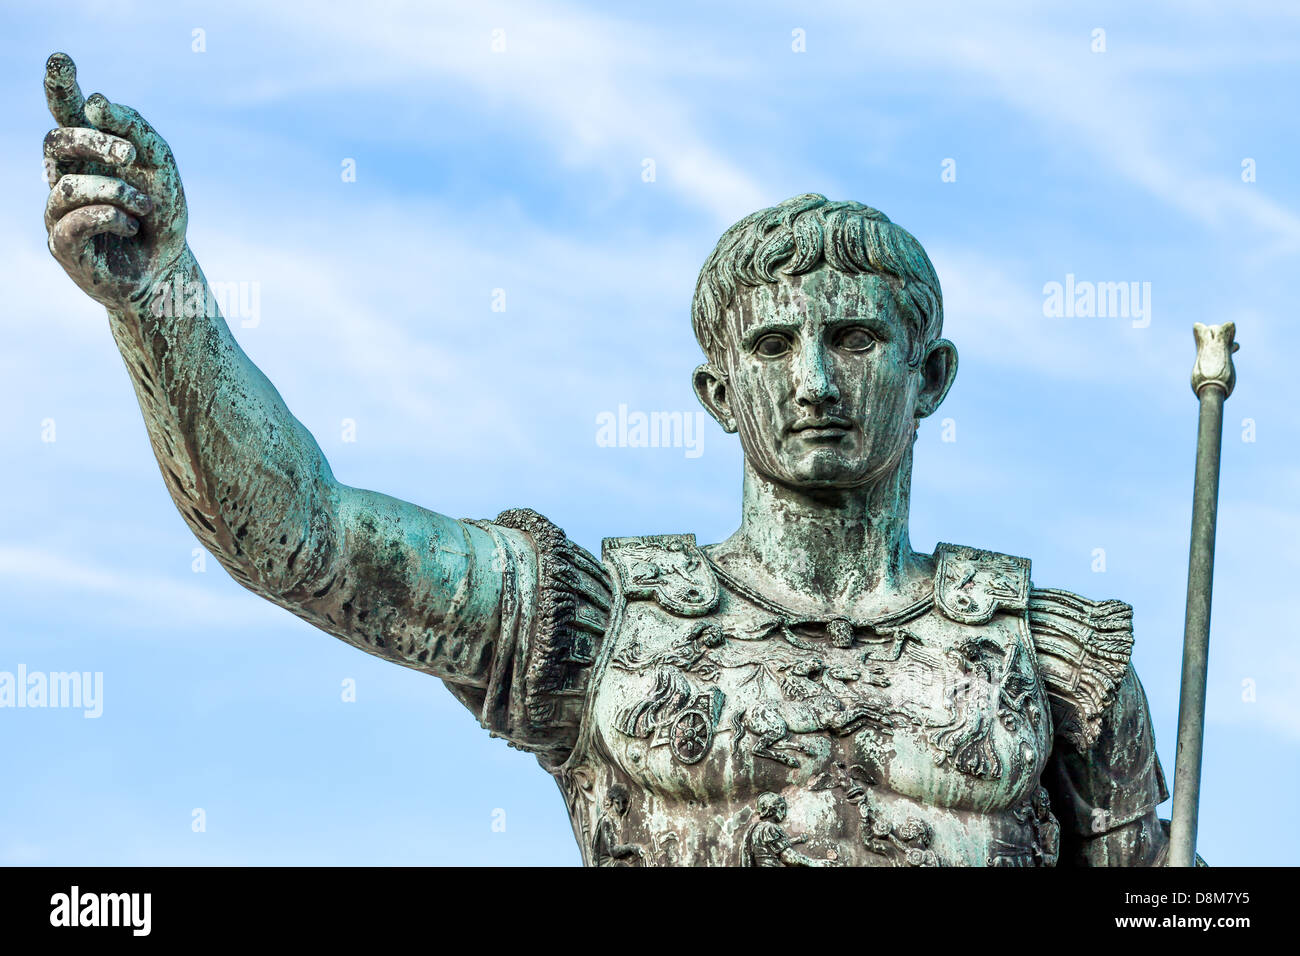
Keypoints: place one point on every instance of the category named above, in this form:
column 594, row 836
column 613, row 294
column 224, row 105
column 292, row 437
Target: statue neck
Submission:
column 828, row 553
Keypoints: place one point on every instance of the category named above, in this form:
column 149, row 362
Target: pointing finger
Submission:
column 73, row 143
column 127, row 123
column 62, row 94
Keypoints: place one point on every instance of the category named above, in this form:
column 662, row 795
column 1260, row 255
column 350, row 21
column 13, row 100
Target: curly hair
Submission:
column 796, row 236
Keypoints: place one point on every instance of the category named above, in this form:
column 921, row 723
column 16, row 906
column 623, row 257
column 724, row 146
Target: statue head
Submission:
column 617, row 799
column 771, row 806
column 821, row 322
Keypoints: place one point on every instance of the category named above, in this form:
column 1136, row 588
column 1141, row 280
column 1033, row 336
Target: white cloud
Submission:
column 1108, row 106
column 993, row 311
column 150, row 596
column 595, row 88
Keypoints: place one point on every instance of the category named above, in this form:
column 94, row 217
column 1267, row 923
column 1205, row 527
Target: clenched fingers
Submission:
column 68, row 143
column 70, row 234
column 76, row 190
column 151, row 149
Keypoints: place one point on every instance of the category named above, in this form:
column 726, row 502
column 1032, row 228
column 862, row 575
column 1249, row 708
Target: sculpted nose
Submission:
column 816, row 385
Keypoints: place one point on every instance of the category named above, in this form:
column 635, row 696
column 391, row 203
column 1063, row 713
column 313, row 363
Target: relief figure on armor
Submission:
column 605, row 848
column 876, row 704
column 766, row 844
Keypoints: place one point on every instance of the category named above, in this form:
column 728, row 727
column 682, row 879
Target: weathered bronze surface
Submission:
column 808, row 692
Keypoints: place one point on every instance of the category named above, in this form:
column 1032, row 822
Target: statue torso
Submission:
column 913, row 740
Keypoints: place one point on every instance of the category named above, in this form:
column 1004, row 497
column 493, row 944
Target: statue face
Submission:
column 817, row 383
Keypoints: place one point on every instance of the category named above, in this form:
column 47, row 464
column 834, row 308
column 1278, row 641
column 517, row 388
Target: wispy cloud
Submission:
column 599, row 91
column 1108, row 106
column 36, row 570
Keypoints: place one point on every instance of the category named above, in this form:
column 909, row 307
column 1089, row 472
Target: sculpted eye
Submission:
column 770, row 346
column 856, row 340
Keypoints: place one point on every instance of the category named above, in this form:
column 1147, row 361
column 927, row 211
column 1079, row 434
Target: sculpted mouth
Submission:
column 822, row 427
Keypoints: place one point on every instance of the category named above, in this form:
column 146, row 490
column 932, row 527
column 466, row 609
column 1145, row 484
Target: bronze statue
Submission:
column 810, row 679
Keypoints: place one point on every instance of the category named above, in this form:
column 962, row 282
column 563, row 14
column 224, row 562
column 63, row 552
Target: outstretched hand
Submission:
column 116, row 214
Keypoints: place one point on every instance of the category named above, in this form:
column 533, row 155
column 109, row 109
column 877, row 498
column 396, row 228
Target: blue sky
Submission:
column 522, row 170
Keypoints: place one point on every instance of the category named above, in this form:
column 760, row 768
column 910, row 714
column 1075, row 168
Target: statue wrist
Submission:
column 176, row 290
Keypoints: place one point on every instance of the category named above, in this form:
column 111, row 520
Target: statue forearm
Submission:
column 385, row 575
column 247, row 477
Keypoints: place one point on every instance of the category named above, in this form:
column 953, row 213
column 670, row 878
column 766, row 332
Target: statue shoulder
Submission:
column 554, row 611
column 971, row 584
column 572, row 601
column 1083, row 649
column 670, row 568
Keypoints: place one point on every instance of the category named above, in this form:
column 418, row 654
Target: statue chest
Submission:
column 736, row 704
column 920, row 740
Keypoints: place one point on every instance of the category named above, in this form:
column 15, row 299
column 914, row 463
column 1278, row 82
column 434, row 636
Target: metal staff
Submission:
column 1213, row 378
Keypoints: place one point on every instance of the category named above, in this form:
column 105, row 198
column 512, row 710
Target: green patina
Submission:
column 810, row 682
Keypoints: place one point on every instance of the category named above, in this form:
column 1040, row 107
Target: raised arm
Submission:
column 456, row 599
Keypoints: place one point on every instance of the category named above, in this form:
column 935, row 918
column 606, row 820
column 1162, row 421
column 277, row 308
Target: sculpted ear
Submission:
column 937, row 373
column 714, row 394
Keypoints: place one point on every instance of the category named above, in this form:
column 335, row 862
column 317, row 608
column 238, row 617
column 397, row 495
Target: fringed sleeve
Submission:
column 1083, row 650
column 554, row 609
column 1104, row 777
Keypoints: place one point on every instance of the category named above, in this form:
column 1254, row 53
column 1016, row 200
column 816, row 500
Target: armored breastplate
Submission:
column 722, row 730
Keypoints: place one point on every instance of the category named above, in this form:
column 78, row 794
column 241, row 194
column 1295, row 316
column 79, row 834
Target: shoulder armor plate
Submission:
column 670, row 568
column 1083, row 649
column 970, row 584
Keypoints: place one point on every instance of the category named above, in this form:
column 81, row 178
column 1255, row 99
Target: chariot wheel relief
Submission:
column 690, row 736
